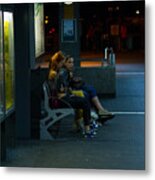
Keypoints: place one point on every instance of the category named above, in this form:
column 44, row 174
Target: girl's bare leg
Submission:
column 99, row 107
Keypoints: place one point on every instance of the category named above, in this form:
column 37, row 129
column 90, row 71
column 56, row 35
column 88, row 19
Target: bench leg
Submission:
column 52, row 118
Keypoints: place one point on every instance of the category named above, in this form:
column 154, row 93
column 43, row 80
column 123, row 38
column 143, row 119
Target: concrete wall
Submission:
column 102, row 78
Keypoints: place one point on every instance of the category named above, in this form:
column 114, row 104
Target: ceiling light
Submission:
column 68, row 2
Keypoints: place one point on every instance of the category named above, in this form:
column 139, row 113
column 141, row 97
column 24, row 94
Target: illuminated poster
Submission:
column 68, row 30
column 1, row 71
column 9, row 59
column 39, row 29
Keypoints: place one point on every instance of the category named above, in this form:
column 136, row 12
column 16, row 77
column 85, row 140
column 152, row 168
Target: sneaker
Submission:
column 94, row 115
column 88, row 134
column 94, row 125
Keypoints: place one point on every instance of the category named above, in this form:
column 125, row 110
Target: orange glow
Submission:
column 91, row 64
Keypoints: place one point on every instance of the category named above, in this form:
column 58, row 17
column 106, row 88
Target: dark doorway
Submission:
column 51, row 16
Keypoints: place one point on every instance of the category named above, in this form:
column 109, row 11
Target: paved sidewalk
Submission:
column 119, row 144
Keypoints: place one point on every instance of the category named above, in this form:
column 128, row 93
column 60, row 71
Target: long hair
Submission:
column 55, row 60
column 53, row 64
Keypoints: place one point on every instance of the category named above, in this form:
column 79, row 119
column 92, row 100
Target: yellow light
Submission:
column 46, row 21
column 46, row 17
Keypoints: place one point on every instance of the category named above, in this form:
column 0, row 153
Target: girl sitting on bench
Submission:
column 63, row 92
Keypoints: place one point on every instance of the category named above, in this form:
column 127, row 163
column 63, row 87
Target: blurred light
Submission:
column 117, row 8
column 46, row 21
column 46, row 17
column 137, row 12
column 52, row 30
column 68, row 2
column 110, row 9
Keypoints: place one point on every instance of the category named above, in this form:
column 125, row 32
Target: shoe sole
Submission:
column 106, row 116
column 103, row 119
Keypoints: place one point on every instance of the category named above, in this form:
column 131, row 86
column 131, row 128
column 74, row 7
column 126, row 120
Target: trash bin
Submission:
column 109, row 57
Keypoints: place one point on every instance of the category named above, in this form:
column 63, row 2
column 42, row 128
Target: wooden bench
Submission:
column 53, row 115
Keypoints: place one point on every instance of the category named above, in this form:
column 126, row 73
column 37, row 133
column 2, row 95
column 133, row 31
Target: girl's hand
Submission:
column 71, row 74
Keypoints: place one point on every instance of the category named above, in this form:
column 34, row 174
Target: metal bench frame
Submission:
column 53, row 114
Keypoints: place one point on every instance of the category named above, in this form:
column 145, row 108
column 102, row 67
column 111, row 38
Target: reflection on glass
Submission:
column 9, row 59
column 1, row 71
